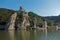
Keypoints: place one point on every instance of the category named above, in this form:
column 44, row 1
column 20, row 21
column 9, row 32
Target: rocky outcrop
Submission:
column 12, row 22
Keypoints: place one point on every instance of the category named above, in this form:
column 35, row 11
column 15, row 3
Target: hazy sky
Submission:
column 40, row 7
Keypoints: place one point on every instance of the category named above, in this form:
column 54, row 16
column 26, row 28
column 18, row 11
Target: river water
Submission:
column 30, row 35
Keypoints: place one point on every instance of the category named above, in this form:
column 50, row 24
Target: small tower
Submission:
column 44, row 23
column 21, row 9
column 21, row 12
column 25, row 17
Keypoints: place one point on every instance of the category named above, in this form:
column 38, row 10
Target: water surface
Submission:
column 30, row 35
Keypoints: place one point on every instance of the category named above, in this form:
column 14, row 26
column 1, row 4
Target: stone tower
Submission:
column 25, row 22
column 21, row 9
column 44, row 23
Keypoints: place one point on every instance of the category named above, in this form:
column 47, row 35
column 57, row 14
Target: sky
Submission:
column 40, row 7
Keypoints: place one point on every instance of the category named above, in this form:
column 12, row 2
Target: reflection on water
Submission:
column 23, row 35
column 30, row 35
column 45, row 32
column 33, row 35
column 11, row 34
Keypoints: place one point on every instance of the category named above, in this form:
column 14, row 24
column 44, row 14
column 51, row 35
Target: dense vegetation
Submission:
column 39, row 18
column 6, row 13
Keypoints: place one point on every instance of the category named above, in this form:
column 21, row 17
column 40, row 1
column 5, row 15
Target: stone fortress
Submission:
column 25, row 23
column 25, row 20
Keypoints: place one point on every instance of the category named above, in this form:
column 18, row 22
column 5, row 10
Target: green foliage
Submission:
column 38, row 18
column 5, row 15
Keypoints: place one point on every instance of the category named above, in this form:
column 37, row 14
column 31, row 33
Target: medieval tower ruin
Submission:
column 25, row 22
column 23, row 17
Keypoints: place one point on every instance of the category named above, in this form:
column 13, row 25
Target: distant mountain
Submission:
column 55, row 19
column 51, row 20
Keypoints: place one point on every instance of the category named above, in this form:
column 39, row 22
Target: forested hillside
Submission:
column 5, row 15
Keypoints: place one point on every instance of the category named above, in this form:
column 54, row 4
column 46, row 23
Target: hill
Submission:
column 54, row 19
column 6, row 13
